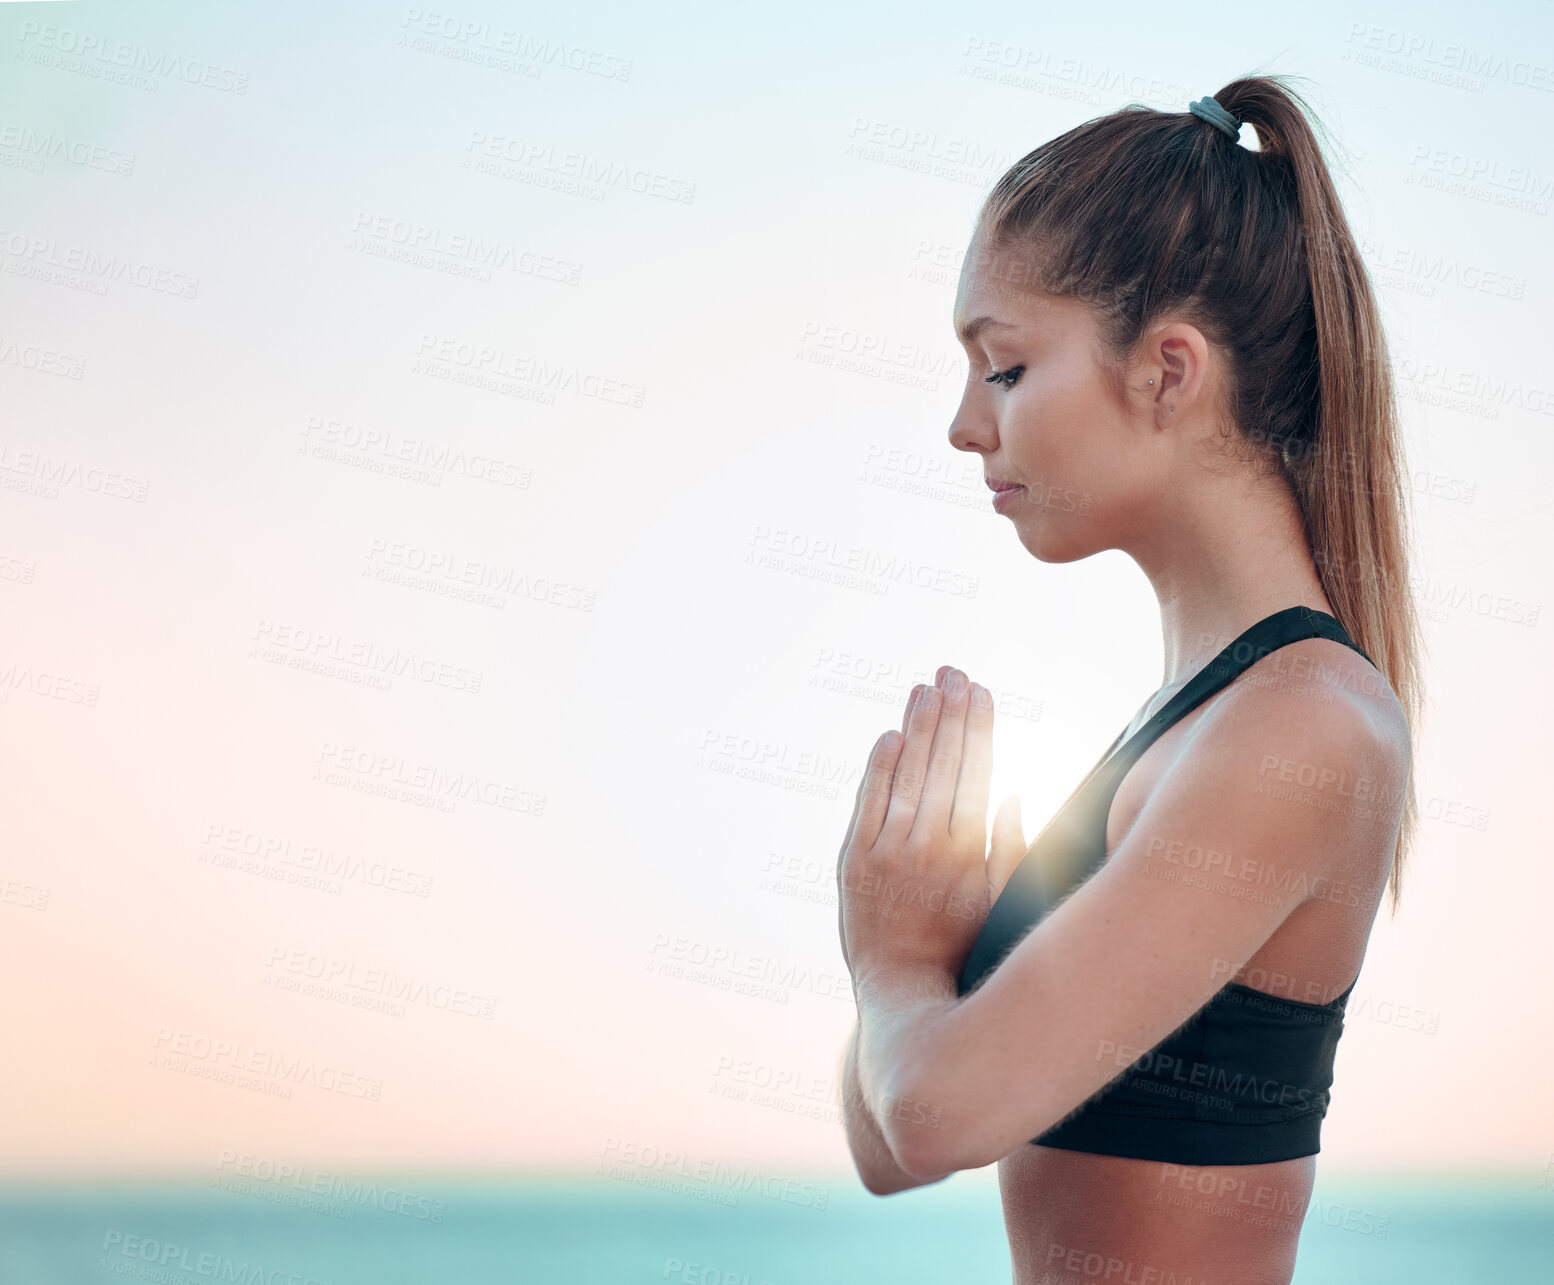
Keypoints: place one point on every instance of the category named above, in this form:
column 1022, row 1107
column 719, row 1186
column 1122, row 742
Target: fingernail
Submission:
column 929, row 699
column 981, row 697
column 955, row 683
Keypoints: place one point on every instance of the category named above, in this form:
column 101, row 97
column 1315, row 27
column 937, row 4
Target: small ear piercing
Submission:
column 1151, row 381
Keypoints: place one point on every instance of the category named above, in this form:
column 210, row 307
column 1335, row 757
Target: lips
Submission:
column 1003, row 493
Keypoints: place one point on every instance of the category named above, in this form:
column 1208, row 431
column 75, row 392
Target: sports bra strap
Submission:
column 1293, row 624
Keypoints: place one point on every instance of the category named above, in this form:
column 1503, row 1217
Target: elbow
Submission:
column 879, row 1185
column 917, row 1124
column 932, row 1131
column 873, row 1185
column 923, row 1158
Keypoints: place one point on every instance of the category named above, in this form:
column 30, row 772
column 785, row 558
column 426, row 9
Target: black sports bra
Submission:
column 1245, row 1080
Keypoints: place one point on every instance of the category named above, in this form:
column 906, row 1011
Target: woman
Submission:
column 1175, row 352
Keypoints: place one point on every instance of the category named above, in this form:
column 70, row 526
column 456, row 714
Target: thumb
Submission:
column 1007, row 846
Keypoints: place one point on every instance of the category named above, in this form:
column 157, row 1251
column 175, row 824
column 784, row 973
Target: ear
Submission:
column 1180, row 354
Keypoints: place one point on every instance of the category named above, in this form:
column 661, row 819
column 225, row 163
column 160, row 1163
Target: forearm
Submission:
column 892, row 1054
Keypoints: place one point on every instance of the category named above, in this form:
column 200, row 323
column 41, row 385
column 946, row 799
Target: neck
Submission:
column 1228, row 556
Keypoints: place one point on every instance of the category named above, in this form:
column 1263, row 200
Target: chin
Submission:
column 1047, row 544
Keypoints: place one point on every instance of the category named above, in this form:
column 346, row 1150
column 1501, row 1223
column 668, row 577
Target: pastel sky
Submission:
column 434, row 448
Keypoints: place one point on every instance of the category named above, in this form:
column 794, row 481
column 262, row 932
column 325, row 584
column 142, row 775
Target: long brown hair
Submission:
column 1144, row 212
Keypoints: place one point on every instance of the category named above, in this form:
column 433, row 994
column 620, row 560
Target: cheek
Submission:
column 1052, row 438
column 1072, row 466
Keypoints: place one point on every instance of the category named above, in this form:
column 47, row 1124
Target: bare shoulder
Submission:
column 1335, row 681
column 1315, row 724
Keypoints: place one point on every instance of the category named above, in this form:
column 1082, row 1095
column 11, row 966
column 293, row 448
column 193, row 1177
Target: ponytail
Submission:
column 1350, row 478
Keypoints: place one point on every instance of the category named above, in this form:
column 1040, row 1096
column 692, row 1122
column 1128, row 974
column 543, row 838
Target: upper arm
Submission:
column 1138, row 949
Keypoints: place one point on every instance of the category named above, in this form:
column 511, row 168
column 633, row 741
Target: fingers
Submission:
column 968, row 820
column 873, row 794
column 912, row 765
column 1008, row 845
column 936, row 800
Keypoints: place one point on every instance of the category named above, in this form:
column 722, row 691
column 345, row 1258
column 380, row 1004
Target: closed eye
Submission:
column 1008, row 377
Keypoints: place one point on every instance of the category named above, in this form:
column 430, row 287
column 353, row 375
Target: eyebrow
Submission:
column 977, row 325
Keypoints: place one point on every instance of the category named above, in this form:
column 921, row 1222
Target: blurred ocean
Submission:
column 602, row 1232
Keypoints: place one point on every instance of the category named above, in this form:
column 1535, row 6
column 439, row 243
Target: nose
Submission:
column 973, row 429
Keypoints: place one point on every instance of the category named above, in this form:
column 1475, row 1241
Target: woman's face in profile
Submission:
column 1042, row 413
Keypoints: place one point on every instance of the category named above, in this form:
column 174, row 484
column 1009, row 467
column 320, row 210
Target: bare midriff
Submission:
column 1079, row 1219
